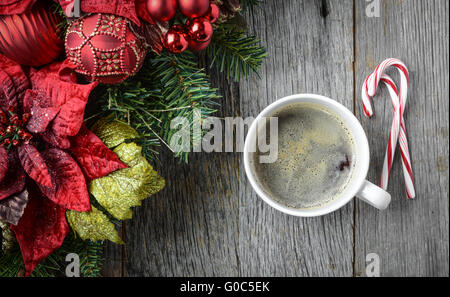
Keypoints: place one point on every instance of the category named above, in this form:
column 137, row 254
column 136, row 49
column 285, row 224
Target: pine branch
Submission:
column 235, row 53
column 245, row 4
column 167, row 86
column 90, row 253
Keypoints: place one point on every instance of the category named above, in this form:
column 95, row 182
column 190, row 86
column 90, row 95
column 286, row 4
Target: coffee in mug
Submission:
column 316, row 157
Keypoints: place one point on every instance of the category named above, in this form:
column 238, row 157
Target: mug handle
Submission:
column 375, row 196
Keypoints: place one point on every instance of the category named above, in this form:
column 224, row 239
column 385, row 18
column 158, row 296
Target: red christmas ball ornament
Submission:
column 193, row 8
column 162, row 10
column 176, row 41
column 213, row 13
column 105, row 48
column 31, row 38
column 199, row 30
column 196, row 46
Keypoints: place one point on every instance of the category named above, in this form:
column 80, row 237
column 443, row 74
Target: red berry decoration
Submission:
column 105, row 48
column 199, row 30
column 31, row 38
column 162, row 10
column 213, row 13
column 193, row 8
column 198, row 46
column 175, row 41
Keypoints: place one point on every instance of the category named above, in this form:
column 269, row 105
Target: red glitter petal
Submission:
column 3, row 162
column 55, row 140
column 34, row 165
column 41, row 230
column 41, row 118
column 69, row 185
column 14, row 180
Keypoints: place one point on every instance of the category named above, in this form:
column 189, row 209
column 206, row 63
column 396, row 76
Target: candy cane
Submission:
column 398, row 130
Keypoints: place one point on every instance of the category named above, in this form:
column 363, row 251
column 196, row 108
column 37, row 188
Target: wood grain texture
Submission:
column 190, row 227
column 209, row 222
column 411, row 237
column 310, row 50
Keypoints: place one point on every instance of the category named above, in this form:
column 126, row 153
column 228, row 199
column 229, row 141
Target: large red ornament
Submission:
column 193, row 8
column 175, row 41
column 162, row 10
column 31, row 38
column 199, row 30
column 105, row 48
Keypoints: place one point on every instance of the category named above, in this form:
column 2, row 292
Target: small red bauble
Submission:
column 193, row 8
column 198, row 46
column 213, row 13
column 162, row 10
column 105, row 48
column 199, row 30
column 175, row 41
column 31, row 38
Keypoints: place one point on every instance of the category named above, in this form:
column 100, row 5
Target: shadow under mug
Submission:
column 358, row 185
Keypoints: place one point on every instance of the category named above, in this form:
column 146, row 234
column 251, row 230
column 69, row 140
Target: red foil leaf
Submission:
column 41, row 230
column 70, row 118
column 12, row 208
column 69, row 185
column 3, row 162
column 34, row 165
column 14, row 180
column 56, row 82
column 94, row 158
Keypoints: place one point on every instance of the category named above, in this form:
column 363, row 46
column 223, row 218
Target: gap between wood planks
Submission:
column 354, row 112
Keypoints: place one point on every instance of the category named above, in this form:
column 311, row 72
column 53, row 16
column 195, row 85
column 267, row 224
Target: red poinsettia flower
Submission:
column 46, row 152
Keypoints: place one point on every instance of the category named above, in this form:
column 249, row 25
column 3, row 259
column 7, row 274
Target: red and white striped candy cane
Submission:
column 398, row 130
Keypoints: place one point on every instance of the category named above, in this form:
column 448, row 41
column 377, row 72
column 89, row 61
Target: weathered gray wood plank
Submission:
column 411, row 237
column 208, row 221
column 310, row 50
column 191, row 227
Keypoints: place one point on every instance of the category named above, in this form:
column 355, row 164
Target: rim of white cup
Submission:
column 361, row 146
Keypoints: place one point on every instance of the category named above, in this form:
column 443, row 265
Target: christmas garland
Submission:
column 78, row 127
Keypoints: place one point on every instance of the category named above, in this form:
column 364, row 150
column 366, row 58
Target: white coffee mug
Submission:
column 358, row 185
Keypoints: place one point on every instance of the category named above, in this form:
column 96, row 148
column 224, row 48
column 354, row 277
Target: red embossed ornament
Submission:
column 105, row 48
column 31, row 38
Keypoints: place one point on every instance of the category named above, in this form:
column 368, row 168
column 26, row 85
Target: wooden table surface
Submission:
column 209, row 222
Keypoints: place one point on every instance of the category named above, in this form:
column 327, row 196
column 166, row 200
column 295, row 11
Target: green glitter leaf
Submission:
column 93, row 225
column 126, row 188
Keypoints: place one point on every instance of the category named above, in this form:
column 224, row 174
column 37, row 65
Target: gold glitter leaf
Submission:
column 93, row 225
column 126, row 188
column 113, row 132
